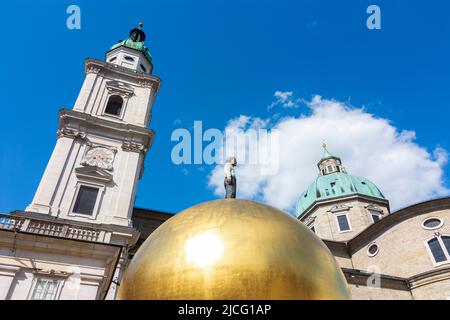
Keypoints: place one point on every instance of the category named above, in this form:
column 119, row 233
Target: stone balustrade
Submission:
column 53, row 229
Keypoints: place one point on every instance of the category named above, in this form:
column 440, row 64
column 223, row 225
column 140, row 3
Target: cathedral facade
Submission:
column 384, row 255
column 81, row 229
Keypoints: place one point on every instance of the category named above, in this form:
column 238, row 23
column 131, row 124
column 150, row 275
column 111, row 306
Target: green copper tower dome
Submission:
column 334, row 182
column 135, row 41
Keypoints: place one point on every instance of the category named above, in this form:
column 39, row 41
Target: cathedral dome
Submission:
column 233, row 249
column 334, row 182
column 336, row 185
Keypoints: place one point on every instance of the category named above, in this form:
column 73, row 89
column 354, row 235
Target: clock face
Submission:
column 99, row 157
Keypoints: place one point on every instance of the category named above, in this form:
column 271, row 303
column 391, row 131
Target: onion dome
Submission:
column 135, row 41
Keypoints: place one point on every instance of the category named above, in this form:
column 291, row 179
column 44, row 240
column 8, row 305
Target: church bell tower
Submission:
column 102, row 142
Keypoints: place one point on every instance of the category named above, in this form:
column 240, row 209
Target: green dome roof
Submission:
column 335, row 185
column 135, row 41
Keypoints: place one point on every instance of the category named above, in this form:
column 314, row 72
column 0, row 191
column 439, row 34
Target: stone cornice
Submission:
column 360, row 277
column 131, row 146
column 76, row 125
column 8, row 270
column 91, row 279
column 71, row 133
column 143, row 79
column 318, row 203
column 428, row 277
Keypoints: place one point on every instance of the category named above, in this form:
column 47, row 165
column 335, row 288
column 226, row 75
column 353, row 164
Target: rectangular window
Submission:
column 45, row 289
column 343, row 223
column 376, row 217
column 446, row 241
column 86, row 199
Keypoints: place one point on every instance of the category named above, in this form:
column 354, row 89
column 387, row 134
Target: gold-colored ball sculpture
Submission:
column 233, row 249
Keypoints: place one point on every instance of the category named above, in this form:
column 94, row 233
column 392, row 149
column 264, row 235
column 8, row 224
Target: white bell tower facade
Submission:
column 98, row 159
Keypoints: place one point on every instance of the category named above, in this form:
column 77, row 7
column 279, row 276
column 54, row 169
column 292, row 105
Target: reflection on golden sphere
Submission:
column 233, row 249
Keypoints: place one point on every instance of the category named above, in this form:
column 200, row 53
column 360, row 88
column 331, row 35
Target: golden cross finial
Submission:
column 324, row 145
column 141, row 24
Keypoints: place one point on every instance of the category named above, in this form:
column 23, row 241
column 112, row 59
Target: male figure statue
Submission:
column 230, row 177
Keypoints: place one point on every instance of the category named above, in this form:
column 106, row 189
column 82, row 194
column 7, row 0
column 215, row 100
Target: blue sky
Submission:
column 218, row 60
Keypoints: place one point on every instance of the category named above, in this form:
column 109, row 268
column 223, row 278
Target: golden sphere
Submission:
column 233, row 249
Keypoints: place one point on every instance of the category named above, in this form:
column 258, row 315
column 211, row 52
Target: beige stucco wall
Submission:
column 326, row 225
column 344, row 262
column 402, row 247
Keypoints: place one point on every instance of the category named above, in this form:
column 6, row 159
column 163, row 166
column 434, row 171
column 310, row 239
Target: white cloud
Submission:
column 369, row 146
column 284, row 99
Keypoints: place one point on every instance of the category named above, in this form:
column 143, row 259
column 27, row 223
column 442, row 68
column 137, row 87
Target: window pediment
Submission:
column 119, row 88
column 339, row 208
column 372, row 207
column 93, row 173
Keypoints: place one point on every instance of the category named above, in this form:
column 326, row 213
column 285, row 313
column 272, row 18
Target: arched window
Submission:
column 440, row 248
column 114, row 105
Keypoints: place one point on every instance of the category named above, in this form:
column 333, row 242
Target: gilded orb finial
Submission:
column 324, row 145
column 141, row 24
